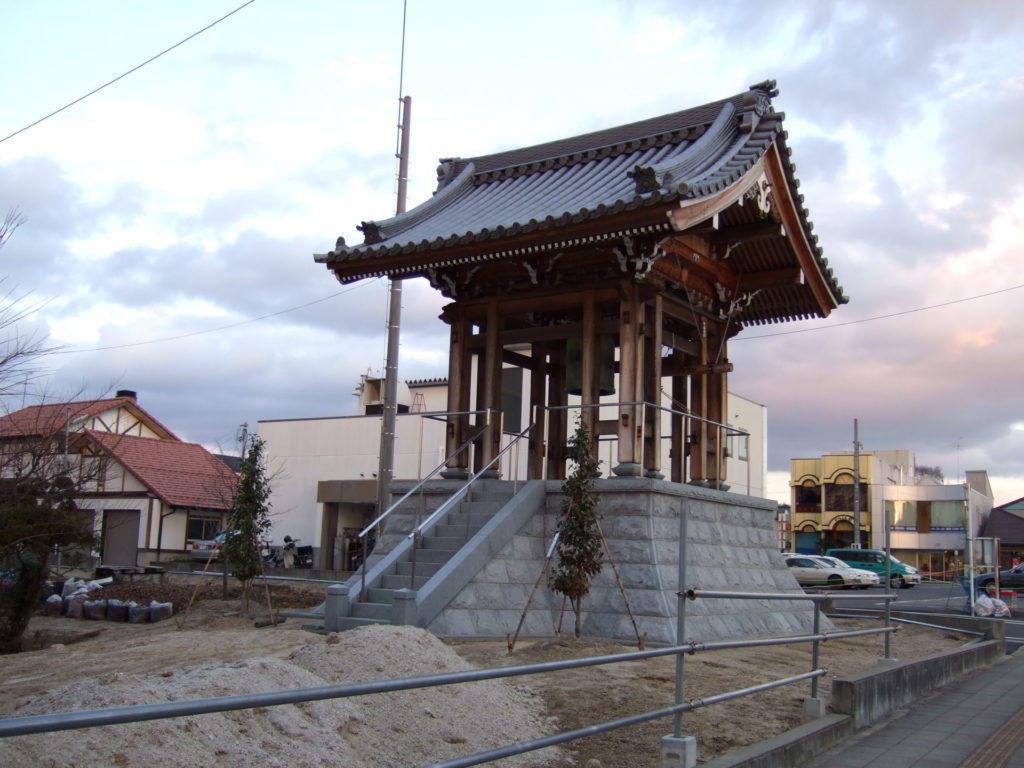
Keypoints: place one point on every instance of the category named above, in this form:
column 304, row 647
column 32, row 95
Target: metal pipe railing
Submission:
column 362, row 535
column 723, row 431
column 452, row 500
column 63, row 721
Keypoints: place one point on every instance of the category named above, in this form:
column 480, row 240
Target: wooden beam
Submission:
column 693, row 259
column 745, row 233
column 676, row 367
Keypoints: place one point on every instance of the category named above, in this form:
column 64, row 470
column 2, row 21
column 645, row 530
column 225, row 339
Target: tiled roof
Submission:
column 683, row 156
column 181, row 474
column 43, row 420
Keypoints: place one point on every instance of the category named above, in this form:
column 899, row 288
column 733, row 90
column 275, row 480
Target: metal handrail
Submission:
column 439, row 468
column 63, row 721
column 454, row 499
column 724, row 430
column 380, row 518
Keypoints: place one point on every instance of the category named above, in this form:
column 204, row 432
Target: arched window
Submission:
column 839, row 494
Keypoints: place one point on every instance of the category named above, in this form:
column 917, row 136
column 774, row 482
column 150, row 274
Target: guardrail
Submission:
column 109, row 716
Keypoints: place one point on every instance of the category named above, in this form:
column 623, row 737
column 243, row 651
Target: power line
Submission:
column 130, row 71
column 214, row 330
column 879, row 317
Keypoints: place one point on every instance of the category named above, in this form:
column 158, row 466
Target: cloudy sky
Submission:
column 172, row 217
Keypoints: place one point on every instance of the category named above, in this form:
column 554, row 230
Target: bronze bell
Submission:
column 605, row 365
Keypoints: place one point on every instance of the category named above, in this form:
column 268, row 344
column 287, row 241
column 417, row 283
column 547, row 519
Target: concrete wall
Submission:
column 871, row 696
column 730, row 547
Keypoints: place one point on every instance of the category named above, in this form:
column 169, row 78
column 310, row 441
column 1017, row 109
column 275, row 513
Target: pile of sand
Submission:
column 391, row 730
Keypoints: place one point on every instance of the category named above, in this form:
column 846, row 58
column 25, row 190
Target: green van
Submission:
column 900, row 574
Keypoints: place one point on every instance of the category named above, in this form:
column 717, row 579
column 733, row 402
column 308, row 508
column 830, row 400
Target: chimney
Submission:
column 127, row 393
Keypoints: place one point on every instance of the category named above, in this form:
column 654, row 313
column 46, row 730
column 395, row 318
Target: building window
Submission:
column 202, row 527
column 738, row 446
column 808, row 497
column 839, row 495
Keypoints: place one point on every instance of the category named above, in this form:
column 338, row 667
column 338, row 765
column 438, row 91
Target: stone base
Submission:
column 813, row 708
column 678, row 752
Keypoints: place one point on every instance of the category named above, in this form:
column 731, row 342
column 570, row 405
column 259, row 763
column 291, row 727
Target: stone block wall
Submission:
column 730, row 546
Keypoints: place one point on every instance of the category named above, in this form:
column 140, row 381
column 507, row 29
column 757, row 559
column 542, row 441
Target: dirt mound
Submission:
column 393, row 730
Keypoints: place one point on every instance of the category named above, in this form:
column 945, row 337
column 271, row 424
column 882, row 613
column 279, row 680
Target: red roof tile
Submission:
column 42, row 420
column 181, row 474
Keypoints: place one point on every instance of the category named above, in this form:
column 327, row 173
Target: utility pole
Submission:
column 386, row 468
column 856, row 486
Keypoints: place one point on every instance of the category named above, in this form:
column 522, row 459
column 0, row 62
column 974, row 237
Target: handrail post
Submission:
column 412, row 559
column 681, row 618
column 814, row 648
column 678, row 751
column 362, row 568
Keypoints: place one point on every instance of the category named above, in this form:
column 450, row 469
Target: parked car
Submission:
column 901, row 575
column 209, row 549
column 812, row 572
column 1009, row 579
column 866, row 578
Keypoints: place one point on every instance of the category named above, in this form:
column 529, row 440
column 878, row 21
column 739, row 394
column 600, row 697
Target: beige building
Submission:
column 929, row 521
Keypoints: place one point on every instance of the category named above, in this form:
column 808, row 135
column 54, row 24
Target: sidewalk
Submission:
column 977, row 722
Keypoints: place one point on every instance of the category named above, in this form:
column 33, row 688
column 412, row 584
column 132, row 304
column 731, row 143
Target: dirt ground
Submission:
column 221, row 633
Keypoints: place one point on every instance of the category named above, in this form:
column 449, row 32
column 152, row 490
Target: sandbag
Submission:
column 94, row 609
column 138, row 614
column 54, row 605
column 117, row 610
column 73, row 605
column 160, row 611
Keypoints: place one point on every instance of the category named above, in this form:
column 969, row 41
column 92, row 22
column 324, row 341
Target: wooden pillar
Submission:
column 629, row 428
column 557, row 431
column 538, row 414
column 680, row 425
column 491, row 388
column 458, row 397
column 716, row 412
column 590, row 374
column 652, row 414
column 699, row 405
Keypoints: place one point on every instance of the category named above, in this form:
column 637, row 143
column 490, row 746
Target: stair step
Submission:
column 383, row 595
column 477, row 520
column 435, row 556
column 425, row 570
column 397, row 581
column 459, row 532
column 442, row 543
column 380, row 611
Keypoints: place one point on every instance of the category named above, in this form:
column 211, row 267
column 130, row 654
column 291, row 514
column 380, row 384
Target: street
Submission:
column 939, row 599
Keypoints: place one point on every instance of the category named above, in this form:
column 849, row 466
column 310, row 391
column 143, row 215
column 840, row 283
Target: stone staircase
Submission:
column 414, row 568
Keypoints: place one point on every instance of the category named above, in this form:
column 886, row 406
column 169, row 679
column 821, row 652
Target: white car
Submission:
column 865, row 578
column 810, row 571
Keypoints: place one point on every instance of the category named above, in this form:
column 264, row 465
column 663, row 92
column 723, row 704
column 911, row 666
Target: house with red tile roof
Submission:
column 150, row 495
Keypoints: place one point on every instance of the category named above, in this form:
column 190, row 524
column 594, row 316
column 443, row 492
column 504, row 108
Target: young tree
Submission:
column 249, row 519
column 579, row 553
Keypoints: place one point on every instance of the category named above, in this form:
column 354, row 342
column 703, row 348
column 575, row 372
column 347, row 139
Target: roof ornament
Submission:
column 760, row 192
column 531, row 271
column 371, row 232
column 757, row 102
column 445, row 172
column 645, row 178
